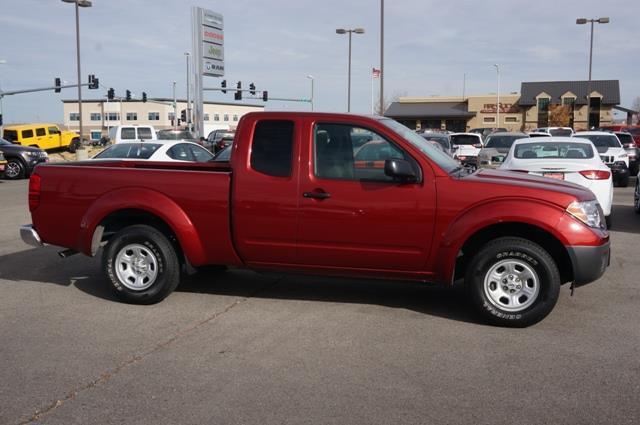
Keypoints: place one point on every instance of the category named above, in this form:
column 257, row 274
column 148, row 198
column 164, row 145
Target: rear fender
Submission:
column 536, row 213
column 149, row 201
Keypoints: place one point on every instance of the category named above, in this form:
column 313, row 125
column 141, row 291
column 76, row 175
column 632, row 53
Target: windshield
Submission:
column 553, row 150
column 502, row 142
column 175, row 135
column 602, row 140
column 562, row 132
column 129, row 150
column 442, row 159
column 464, row 139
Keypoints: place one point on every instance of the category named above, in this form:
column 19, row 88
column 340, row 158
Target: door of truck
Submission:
column 55, row 137
column 265, row 189
column 351, row 214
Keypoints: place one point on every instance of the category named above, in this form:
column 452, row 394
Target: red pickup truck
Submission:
column 327, row 194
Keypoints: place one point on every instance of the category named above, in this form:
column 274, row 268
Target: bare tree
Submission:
column 559, row 115
column 388, row 100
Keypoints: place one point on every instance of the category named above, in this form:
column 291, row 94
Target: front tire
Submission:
column 513, row 282
column 141, row 265
column 15, row 169
column 74, row 145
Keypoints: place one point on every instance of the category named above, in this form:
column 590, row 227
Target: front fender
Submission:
column 149, row 201
column 528, row 211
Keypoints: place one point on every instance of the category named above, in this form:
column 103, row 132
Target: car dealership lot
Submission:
column 239, row 347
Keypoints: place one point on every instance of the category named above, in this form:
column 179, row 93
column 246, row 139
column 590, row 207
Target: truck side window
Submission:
column 128, row 133
column 54, row 130
column 347, row 152
column 272, row 148
column 26, row 134
column 41, row 132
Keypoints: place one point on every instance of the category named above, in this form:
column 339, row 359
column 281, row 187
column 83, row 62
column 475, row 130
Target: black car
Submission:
column 219, row 139
column 21, row 160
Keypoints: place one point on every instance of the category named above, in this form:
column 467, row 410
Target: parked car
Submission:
column 441, row 139
column 634, row 130
column 171, row 134
column 21, row 160
column 611, row 152
column 485, row 131
column 496, row 147
column 555, row 131
column 3, row 164
column 466, row 147
column 570, row 159
column 219, row 139
column 629, row 145
column 536, row 134
column 130, row 133
column 292, row 199
column 167, row 151
column 44, row 136
column 224, row 155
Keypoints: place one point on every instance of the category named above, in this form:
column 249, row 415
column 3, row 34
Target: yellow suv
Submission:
column 44, row 136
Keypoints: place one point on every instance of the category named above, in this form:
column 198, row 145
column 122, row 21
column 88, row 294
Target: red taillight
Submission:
column 34, row 192
column 596, row 174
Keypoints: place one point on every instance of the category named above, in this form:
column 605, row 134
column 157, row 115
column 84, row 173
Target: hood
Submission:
column 527, row 181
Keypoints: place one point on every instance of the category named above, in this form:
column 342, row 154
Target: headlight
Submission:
column 588, row 212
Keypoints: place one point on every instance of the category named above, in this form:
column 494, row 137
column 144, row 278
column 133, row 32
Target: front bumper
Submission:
column 589, row 262
column 30, row 236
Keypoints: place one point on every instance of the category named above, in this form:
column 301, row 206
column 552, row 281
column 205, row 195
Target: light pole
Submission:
column 2, row 62
column 344, row 31
column 175, row 107
column 79, row 4
column 187, row 54
column 497, row 95
column 312, row 80
column 381, row 57
column 582, row 21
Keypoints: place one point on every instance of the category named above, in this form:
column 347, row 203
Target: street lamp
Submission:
column 583, row 21
column 497, row 95
column 344, row 31
column 312, row 80
column 79, row 4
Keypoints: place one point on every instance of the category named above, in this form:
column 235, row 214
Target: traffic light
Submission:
column 0, row 119
column 183, row 115
column 144, row 96
column 93, row 82
column 223, row 84
column 128, row 95
column 238, row 95
column 111, row 93
column 57, row 83
column 252, row 89
column 265, row 96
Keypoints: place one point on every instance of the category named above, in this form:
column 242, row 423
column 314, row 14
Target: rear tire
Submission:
column 74, row 145
column 608, row 220
column 141, row 265
column 513, row 282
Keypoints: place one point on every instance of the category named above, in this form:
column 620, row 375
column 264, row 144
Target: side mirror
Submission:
column 400, row 169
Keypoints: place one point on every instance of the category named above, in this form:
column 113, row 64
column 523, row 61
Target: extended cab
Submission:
column 44, row 136
column 295, row 197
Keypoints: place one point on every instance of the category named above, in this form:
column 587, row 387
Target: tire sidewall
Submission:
column 21, row 174
column 168, row 267
column 530, row 254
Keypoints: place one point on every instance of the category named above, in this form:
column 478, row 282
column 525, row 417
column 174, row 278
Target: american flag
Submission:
column 375, row 73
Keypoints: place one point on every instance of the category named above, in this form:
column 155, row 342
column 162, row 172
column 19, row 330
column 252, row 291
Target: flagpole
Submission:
column 372, row 91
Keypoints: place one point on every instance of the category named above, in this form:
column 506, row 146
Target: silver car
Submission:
column 496, row 147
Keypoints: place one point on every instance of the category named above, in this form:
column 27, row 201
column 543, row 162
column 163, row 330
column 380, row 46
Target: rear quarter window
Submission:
column 144, row 133
column 272, row 148
column 41, row 132
column 128, row 133
column 27, row 134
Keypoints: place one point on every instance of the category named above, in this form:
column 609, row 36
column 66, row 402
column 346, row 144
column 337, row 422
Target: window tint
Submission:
column 464, row 139
column 339, row 153
column 181, row 152
column 41, row 132
column 129, row 150
column 26, row 134
column 625, row 138
column 600, row 141
column 562, row 132
column 128, row 133
column 272, row 147
column 144, row 133
column 11, row 135
column 200, row 154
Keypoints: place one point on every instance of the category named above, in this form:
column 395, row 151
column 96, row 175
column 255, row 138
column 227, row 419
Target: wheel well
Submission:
column 546, row 240
column 118, row 220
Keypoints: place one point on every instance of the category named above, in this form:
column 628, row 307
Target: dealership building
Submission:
column 524, row 111
column 98, row 115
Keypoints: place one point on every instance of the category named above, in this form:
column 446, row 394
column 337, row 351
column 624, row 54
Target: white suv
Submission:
column 466, row 147
column 611, row 152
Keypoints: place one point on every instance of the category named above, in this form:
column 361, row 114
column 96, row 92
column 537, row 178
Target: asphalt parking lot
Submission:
column 239, row 347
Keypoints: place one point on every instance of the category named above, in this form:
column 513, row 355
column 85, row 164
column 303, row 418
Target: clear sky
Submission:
column 429, row 46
